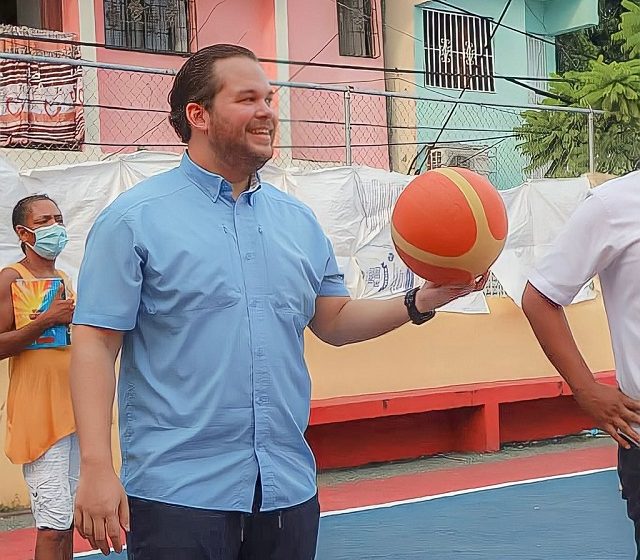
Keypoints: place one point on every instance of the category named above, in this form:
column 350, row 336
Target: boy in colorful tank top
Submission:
column 40, row 423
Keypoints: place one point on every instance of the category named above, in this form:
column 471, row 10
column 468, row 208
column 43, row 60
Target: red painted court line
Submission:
column 409, row 486
column 18, row 545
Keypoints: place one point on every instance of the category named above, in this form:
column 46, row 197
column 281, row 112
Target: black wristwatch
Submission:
column 416, row 317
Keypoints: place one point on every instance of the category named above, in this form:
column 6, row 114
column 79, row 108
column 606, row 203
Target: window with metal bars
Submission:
column 147, row 25
column 457, row 51
column 357, row 28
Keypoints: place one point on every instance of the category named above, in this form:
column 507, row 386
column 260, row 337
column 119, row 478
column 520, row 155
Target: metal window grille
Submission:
column 434, row 159
column 148, row 25
column 357, row 28
column 458, row 51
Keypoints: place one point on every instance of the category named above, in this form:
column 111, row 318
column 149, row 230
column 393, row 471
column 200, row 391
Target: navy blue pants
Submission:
column 629, row 473
column 162, row 531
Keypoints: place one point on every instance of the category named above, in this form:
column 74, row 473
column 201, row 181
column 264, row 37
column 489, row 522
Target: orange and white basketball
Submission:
column 449, row 225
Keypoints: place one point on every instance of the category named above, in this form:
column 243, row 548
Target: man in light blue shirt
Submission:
column 206, row 277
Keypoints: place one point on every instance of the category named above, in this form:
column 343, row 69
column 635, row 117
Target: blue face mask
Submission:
column 50, row 240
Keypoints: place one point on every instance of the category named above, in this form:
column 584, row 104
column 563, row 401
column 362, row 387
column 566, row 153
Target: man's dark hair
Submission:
column 22, row 209
column 196, row 82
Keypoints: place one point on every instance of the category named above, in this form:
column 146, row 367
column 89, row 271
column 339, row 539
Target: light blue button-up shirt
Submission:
column 213, row 295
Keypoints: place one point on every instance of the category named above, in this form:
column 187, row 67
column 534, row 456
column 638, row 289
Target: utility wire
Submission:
column 455, row 106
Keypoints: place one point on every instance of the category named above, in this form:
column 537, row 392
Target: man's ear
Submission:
column 197, row 117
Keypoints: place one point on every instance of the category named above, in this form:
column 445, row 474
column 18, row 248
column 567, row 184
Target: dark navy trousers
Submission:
column 162, row 531
column 629, row 473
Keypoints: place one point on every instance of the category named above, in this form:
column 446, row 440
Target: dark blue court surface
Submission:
column 581, row 517
column 578, row 517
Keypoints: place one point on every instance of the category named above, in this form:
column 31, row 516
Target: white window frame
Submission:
column 434, row 159
column 537, row 67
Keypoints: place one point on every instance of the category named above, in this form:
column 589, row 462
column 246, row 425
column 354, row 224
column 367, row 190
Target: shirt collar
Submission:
column 212, row 184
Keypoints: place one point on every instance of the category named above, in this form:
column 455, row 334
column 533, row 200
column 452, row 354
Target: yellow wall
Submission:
column 452, row 349
column 399, row 43
column 12, row 488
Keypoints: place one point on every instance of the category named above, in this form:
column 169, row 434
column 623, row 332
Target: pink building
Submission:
column 160, row 33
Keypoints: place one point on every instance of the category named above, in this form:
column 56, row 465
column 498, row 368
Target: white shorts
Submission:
column 52, row 480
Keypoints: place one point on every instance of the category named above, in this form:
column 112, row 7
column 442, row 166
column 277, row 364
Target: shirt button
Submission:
column 260, row 351
column 262, row 400
column 250, row 256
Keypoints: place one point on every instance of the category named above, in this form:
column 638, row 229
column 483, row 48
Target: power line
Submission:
column 392, row 70
column 361, row 13
column 512, row 79
column 541, row 91
column 516, row 80
column 213, row 9
column 497, row 24
column 148, row 131
column 309, row 63
column 536, row 36
column 418, row 127
column 158, row 124
column 479, row 153
column 455, row 106
column 382, row 144
column 65, row 42
column 84, row 105
column 467, row 77
column 138, row 144
column 293, row 121
column 430, row 90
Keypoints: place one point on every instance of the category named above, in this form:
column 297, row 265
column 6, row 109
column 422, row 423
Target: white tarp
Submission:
column 82, row 191
column 380, row 272
column 353, row 204
column 12, row 191
column 537, row 212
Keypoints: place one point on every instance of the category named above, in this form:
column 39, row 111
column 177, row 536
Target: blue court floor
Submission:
column 574, row 517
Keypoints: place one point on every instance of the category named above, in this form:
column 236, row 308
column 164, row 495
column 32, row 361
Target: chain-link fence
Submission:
column 120, row 109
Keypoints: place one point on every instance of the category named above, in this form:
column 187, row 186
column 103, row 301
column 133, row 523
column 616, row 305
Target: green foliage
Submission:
column 629, row 32
column 558, row 142
column 613, row 87
column 577, row 49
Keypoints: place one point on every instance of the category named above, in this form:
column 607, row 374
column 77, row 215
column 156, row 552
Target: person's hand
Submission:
column 431, row 296
column 612, row 410
column 60, row 311
column 101, row 508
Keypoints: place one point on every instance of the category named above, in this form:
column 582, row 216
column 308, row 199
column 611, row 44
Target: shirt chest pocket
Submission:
column 204, row 274
column 295, row 272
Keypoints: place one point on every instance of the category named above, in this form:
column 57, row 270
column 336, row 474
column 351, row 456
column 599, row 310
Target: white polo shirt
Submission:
column 603, row 237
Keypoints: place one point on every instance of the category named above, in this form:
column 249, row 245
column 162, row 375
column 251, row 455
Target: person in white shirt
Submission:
column 602, row 238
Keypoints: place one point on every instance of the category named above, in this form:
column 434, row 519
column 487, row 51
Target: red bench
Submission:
column 362, row 429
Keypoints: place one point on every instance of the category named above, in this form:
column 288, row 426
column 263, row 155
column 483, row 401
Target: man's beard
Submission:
column 239, row 152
